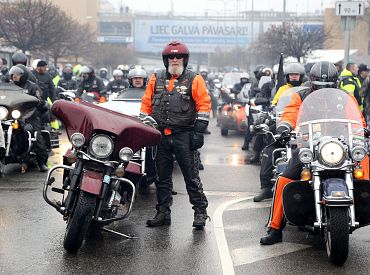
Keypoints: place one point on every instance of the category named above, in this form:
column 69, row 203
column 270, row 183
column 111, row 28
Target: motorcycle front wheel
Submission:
column 337, row 234
column 79, row 222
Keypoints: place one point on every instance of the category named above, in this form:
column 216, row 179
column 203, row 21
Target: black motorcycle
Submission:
column 16, row 107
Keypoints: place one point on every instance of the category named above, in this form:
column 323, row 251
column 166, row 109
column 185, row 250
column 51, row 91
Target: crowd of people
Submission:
column 181, row 101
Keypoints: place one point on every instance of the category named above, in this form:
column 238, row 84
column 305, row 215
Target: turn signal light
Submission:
column 102, row 99
column 71, row 158
column 358, row 173
column 306, row 174
column 120, row 172
column 15, row 125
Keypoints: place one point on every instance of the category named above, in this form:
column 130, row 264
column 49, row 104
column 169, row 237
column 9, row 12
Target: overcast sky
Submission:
column 186, row 6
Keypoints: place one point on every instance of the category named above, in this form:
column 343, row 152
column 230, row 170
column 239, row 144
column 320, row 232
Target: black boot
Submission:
column 245, row 147
column 265, row 193
column 161, row 218
column 200, row 220
column 43, row 168
column 255, row 159
column 273, row 236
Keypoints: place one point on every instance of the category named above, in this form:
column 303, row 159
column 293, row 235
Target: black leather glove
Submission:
column 282, row 130
column 196, row 141
column 366, row 132
column 200, row 126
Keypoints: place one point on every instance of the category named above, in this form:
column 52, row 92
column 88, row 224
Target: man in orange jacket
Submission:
column 177, row 99
column 323, row 75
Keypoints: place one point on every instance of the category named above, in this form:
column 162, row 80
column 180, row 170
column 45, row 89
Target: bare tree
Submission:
column 293, row 40
column 105, row 55
column 30, row 24
column 75, row 41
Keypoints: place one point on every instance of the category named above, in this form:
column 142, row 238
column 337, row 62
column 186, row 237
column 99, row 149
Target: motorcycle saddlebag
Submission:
column 362, row 201
column 299, row 203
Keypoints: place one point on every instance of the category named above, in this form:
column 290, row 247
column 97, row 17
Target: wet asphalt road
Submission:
column 31, row 232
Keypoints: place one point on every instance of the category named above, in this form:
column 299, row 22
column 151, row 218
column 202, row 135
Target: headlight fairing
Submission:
column 332, row 153
column 3, row 113
column 101, row 146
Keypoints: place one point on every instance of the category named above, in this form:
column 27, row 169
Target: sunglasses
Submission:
column 178, row 56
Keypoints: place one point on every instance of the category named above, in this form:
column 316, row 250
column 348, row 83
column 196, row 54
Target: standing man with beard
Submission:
column 177, row 99
column 44, row 81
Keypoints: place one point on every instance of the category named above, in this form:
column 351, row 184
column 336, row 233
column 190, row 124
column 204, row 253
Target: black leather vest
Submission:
column 175, row 109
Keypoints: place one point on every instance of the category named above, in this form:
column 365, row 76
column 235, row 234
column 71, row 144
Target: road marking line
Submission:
column 223, row 249
column 257, row 252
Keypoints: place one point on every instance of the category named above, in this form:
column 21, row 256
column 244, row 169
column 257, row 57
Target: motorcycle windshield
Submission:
column 329, row 113
column 87, row 118
column 284, row 100
column 13, row 97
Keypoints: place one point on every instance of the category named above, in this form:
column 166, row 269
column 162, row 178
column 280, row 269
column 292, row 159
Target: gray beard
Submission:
column 176, row 71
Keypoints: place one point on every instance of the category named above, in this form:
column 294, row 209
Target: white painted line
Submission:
column 257, row 252
column 223, row 249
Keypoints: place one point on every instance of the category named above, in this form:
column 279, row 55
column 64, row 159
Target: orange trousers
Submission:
column 277, row 213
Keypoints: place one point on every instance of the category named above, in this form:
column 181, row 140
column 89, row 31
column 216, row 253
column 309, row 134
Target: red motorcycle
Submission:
column 98, row 185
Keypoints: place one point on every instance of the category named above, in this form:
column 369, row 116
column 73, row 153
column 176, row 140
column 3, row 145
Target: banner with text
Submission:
column 200, row 36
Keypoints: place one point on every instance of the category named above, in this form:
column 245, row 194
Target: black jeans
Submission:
column 39, row 146
column 179, row 145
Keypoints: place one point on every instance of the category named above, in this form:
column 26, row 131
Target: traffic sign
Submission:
column 349, row 8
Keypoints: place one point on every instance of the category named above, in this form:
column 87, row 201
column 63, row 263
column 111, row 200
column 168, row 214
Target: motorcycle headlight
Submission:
column 77, row 140
column 101, row 146
column 358, row 153
column 332, row 153
column 305, row 155
column 3, row 113
column 16, row 114
column 126, row 154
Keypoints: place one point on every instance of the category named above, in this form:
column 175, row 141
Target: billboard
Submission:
column 200, row 35
column 116, row 32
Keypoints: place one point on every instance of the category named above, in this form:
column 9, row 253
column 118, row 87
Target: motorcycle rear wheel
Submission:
column 337, row 234
column 78, row 224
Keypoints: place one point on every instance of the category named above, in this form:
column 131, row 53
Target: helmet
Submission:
column 53, row 71
column 294, row 68
column 258, row 71
column 117, row 73
column 103, row 72
column 267, row 71
column 19, row 69
column 89, row 70
column 67, row 72
column 19, row 58
column 123, row 67
column 137, row 72
column 175, row 47
column 203, row 70
column 323, row 74
column 244, row 75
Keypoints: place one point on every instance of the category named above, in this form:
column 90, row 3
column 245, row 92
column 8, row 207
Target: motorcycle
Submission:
column 16, row 107
column 97, row 186
column 69, row 95
column 231, row 115
column 332, row 197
